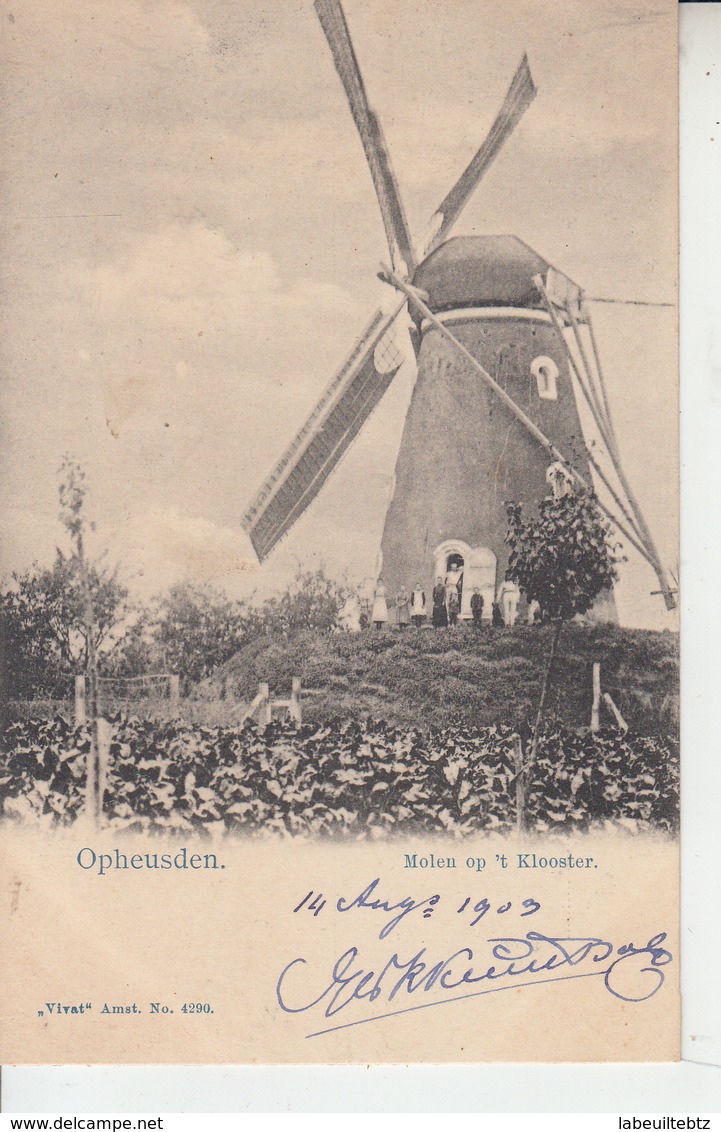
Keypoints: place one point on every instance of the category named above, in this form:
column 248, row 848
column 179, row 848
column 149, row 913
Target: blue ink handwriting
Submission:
column 630, row 973
column 367, row 899
column 317, row 905
column 483, row 906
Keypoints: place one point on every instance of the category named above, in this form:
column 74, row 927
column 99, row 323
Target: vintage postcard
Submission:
column 340, row 499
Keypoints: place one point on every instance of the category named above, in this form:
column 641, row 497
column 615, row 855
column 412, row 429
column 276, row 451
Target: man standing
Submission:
column 454, row 606
column 477, row 607
column 454, row 584
column 509, row 596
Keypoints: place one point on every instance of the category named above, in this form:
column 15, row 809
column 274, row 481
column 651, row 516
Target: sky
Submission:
column 191, row 243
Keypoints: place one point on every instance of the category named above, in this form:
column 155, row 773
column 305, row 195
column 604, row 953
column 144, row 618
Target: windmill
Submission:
column 507, row 362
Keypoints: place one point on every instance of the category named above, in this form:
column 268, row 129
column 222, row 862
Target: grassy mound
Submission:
column 435, row 677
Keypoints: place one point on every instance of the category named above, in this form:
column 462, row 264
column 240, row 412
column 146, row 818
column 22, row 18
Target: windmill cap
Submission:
column 481, row 271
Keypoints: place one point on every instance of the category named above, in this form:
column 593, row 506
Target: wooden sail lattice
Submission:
column 591, row 381
column 335, row 422
column 333, row 21
column 519, row 97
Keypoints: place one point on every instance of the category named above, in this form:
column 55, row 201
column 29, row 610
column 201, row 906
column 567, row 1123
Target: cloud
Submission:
column 190, row 278
column 191, row 333
column 168, row 544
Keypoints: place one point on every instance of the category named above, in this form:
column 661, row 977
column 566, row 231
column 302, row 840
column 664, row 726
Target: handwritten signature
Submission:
column 630, row 973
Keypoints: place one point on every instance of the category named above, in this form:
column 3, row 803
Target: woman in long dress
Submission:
column 440, row 613
column 379, row 616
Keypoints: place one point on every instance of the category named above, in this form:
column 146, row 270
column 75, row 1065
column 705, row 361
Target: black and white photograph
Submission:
column 340, row 461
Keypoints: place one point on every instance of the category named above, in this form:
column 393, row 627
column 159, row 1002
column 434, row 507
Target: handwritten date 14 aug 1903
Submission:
column 630, row 972
column 369, row 901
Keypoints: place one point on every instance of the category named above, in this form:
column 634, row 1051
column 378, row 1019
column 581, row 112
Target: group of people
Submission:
column 411, row 607
column 447, row 597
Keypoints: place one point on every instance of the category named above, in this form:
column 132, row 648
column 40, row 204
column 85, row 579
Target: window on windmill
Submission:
column 545, row 372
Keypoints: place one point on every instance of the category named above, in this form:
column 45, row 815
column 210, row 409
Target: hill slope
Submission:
column 436, row 677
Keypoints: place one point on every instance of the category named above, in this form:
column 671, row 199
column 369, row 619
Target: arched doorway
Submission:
column 478, row 566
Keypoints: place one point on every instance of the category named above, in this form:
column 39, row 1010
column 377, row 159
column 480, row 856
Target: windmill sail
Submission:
column 333, row 22
column 521, row 94
column 334, row 423
column 359, row 385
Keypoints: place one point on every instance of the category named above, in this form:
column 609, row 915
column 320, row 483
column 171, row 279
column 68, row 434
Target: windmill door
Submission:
column 478, row 568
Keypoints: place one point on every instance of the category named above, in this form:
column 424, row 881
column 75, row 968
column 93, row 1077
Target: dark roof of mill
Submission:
column 481, row 271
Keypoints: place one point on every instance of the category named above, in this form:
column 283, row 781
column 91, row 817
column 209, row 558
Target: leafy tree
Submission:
column 312, row 601
column 197, row 628
column 563, row 558
column 44, row 626
column 136, row 652
column 64, row 619
column 73, row 516
column 34, row 660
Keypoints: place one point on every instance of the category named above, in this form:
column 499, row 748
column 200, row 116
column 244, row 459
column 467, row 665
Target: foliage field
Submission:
column 350, row 779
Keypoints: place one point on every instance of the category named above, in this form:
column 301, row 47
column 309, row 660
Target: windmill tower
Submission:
column 506, row 356
column 464, row 454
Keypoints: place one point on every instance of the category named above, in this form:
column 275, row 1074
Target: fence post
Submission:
column 595, row 722
column 295, row 708
column 105, row 735
column 81, row 712
column 616, row 713
column 520, row 785
column 265, row 714
column 174, row 690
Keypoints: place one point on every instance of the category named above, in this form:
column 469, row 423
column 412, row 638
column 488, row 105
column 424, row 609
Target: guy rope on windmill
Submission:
column 506, row 353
